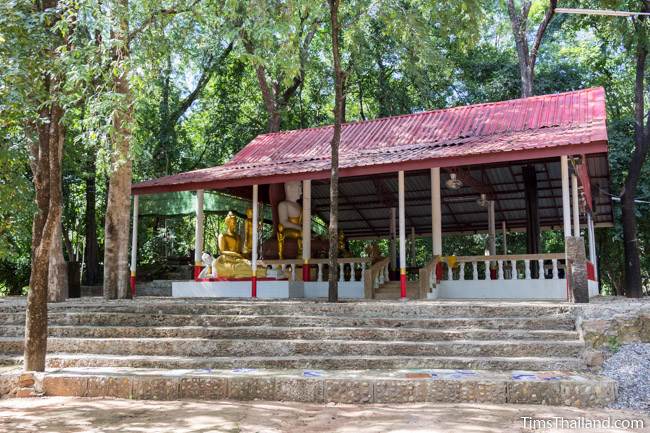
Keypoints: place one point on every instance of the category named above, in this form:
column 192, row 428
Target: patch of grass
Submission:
column 613, row 344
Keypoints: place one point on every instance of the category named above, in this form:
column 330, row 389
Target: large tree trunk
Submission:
column 116, row 246
column 642, row 138
column 46, row 167
column 58, row 267
column 92, row 246
column 339, row 83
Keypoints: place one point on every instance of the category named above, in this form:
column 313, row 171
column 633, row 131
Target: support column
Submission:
column 576, row 206
column 255, row 242
column 393, row 240
column 402, row 235
column 566, row 201
column 198, row 234
column 134, row 244
column 592, row 244
column 306, row 228
column 492, row 229
column 436, row 213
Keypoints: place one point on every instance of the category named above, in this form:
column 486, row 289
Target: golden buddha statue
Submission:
column 247, row 250
column 290, row 217
column 231, row 263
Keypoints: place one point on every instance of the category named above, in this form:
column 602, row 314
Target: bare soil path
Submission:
column 63, row 414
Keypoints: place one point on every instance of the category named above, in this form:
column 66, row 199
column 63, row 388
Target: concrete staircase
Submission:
column 226, row 336
column 391, row 290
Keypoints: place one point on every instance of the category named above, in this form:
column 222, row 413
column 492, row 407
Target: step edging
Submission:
column 317, row 386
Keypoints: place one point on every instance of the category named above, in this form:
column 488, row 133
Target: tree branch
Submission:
column 203, row 81
column 548, row 16
column 161, row 12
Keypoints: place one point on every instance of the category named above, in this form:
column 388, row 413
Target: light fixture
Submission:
column 483, row 201
column 453, row 182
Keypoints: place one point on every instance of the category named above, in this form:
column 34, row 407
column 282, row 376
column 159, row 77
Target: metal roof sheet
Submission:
column 506, row 131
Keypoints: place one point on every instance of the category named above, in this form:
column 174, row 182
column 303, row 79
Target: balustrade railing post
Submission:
column 474, row 271
column 363, row 271
column 487, row 270
column 293, row 272
column 461, row 272
column 450, row 273
column 513, row 266
column 341, row 273
column 540, row 273
column 500, row 269
column 527, row 269
column 555, row 272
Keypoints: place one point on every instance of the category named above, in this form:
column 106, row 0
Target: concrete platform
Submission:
column 266, row 289
column 564, row 388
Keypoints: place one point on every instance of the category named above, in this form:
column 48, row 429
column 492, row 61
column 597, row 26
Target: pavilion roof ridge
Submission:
column 434, row 111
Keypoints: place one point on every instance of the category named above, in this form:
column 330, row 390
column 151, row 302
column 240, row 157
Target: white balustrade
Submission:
column 319, row 277
column 527, row 273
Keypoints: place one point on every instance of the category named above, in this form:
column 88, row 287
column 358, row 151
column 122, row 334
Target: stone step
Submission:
column 560, row 322
column 413, row 309
column 369, row 386
column 253, row 347
column 293, row 333
column 65, row 360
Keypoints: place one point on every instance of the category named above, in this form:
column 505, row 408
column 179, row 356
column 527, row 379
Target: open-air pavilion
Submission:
column 530, row 165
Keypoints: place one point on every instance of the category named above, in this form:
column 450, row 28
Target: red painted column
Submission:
column 254, row 287
column 132, row 281
column 402, row 282
column 305, row 271
column 197, row 271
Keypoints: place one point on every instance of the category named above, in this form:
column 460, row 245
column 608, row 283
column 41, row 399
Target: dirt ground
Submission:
column 63, row 414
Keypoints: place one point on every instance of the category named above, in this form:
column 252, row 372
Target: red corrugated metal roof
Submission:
column 528, row 128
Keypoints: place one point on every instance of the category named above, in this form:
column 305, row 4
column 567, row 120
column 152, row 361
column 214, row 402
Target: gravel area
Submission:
column 630, row 367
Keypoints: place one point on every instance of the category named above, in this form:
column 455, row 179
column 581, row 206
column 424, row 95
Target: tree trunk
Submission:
column 92, row 246
column 57, row 286
column 527, row 56
column 339, row 83
column 642, row 137
column 46, row 167
column 116, row 246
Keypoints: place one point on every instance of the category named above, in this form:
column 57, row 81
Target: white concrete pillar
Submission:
column 566, row 201
column 592, row 243
column 436, row 213
column 393, row 240
column 492, row 229
column 306, row 228
column 134, row 244
column 402, row 233
column 576, row 205
column 255, row 241
column 198, row 234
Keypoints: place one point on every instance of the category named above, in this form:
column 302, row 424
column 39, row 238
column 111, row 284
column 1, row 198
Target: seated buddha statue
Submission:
column 231, row 263
column 290, row 217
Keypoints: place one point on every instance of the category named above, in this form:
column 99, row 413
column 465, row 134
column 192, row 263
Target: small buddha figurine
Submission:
column 290, row 217
column 231, row 263
column 247, row 250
